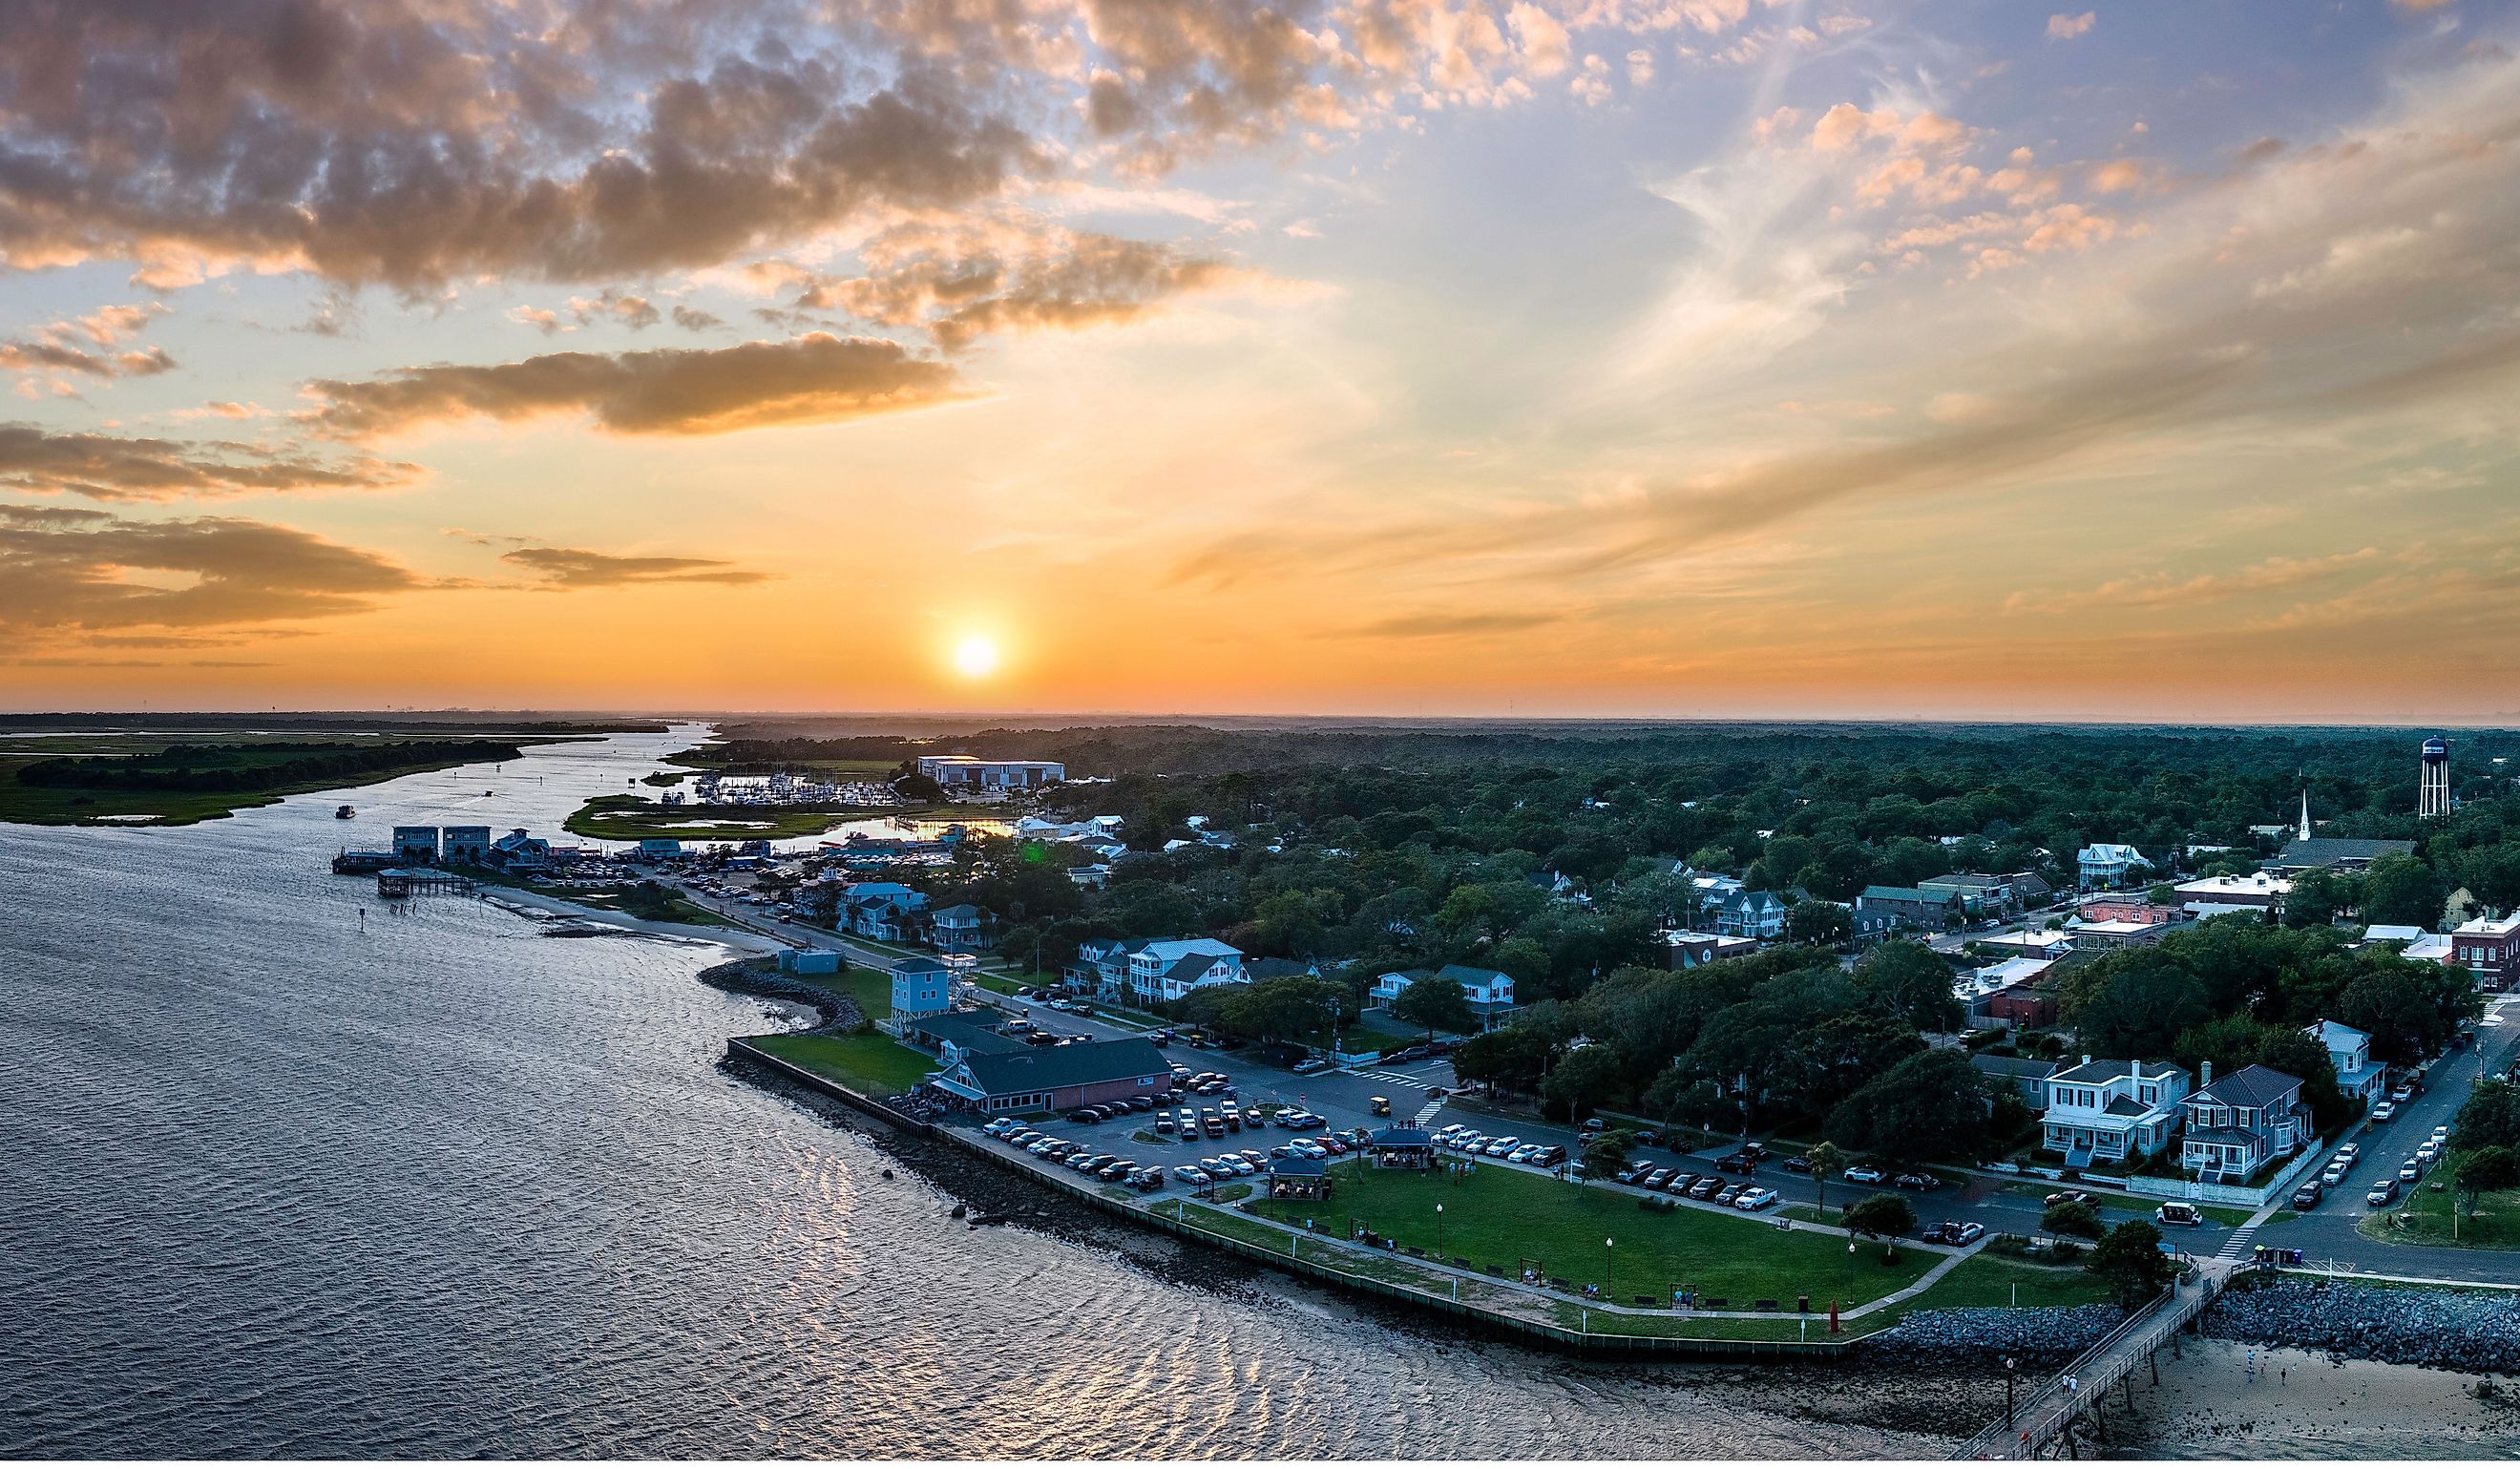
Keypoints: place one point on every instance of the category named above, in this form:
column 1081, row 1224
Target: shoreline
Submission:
column 527, row 903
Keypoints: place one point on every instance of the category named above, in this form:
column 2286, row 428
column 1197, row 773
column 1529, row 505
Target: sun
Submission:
column 975, row 657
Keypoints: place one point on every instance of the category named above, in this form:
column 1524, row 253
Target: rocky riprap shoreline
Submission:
column 2459, row 1331
column 752, row 976
column 2034, row 1335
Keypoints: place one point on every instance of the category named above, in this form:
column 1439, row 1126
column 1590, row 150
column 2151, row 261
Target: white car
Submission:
column 1751, row 1200
column 1193, row 1175
column 1524, row 1153
column 1500, row 1147
column 2383, row 1111
column 1864, row 1173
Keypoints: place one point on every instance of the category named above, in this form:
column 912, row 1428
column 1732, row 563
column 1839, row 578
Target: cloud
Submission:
column 2071, row 27
column 93, row 346
column 692, row 319
column 2159, row 590
column 1454, row 624
column 567, row 568
column 66, row 569
column 817, row 379
column 108, row 467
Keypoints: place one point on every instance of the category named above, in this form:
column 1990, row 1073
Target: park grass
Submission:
column 2495, row 1224
column 1986, row 1280
column 1502, row 1217
column 626, row 818
column 876, row 1065
column 870, row 988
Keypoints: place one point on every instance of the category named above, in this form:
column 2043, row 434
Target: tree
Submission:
column 1435, row 1001
column 2315, row 899
column 1911, row 982
column 1883, row 1216
column 1578, row 1081
column 2128, row 1260
column 1931, row 1107
column 1812, row 921
column 2487, row 1169
column 1511, row 1058
column 1606, row 1152
column 1279, row 1010
column 2400, row 888
column 1827, row 1161
column 2161, row 895
column 2072, row 1216
column 2488, row 1117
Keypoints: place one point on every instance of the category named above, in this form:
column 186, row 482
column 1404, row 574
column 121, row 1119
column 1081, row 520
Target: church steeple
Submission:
column 2305, row 816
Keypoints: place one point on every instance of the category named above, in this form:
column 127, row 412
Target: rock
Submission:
column 2464, row 1331
column 2035, row 1335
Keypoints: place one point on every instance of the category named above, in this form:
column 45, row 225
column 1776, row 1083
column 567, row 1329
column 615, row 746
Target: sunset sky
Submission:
column 1677, row 357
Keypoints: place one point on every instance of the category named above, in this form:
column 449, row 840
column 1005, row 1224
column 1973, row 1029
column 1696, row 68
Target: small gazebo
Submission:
column 1298, row 1177
column 1404, row 1147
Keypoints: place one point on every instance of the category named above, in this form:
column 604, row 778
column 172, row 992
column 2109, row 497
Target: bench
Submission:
column 1766, row 1305
column 1717, row 1303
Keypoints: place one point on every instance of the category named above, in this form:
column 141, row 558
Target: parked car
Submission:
column 1797, row 1164
column 1549, row 1156
column 2409, row 1170
column 1730, row 1192
column 1523, row 1154
column 1866, row 1173
column 1964, row 1232
column 2349, row 1153
column 2383, row 1111
column 1501, row 1146
column 2071, row 1196
column 2403, row 1092
column 1918, row 1182
column 1310, row 1066
column 1705, row 1187
column 1682, row 1182
column 2308, row 1195
column 2382, row 1193
column 1755, row 1199
column 1196, row 1176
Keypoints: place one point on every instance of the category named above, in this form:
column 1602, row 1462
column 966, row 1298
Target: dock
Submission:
column 2044, row 1423
column 403, row 882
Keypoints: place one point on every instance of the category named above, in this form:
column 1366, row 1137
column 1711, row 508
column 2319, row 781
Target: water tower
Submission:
column 2434, row 797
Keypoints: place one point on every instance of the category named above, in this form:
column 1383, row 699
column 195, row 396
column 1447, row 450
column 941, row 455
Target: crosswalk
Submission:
column 2237, row 1246
column 1426, row 1113
column 1399, row 1079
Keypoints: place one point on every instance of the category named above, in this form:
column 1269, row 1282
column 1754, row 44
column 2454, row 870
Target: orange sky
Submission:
column 1722, row 358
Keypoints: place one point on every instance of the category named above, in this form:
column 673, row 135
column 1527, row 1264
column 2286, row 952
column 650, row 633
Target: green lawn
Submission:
column 872, row 989
column 1988, row 1281
column 109, row 805
column 878, row 1065
column 628, row 818
column 1502, row 1216
column 2495, row 1224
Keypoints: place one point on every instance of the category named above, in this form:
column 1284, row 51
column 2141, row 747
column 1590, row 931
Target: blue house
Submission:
column 921, row 986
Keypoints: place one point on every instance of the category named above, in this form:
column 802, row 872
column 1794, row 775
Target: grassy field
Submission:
column 1988, row 1281
column 104, row 805
column 2495, row 1224
column 1503, row 1216
column 878, row 1065
column 627, row 818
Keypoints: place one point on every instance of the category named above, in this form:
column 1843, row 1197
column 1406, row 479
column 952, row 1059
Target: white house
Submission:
column 2236, row 1124
column 2114, row 1110
column 2349, row 1050
column 1170, row 968
column 1485, row 989
column 1751, row 915
column 2107, row 864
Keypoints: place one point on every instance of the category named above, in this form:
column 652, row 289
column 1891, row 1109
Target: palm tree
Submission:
column 1827, row 1161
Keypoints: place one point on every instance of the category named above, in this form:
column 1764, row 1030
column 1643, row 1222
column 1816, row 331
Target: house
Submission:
column 1102, row 966
column 2112, row 1110
column 2128, row 907
column 519, row 851
column 466, row 846
column 957, row 929
column 887, row 911
column 1985, row 893
column 968, row 772
column 921, row 986
column 1490, row 992
column 2021, row 1006
column 2022, row 1074
column 2257, row 893
column 1055, row 1078
column 2235, row 1126
column 1687, row 949
column 2109, row 863
column 414, row 844
column 2345, row 854
column 1750, row 914
column 1559, row 887
column 1912, row 907
column 2349, row 1050
column 2116, row 934
column 1170, row 968
column 2490, row 949
column 657, row 848
column 2030, row 943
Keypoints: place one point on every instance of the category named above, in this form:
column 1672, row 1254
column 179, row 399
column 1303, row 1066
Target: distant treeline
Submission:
column 238, row 767
column 331, row 724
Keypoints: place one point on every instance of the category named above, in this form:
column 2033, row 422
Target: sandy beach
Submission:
column 2304, row 1404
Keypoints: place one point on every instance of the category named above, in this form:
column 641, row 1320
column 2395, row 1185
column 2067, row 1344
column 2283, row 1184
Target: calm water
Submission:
column 284, row 1182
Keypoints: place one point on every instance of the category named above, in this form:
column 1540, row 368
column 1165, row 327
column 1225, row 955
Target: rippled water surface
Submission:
column 284, row 1180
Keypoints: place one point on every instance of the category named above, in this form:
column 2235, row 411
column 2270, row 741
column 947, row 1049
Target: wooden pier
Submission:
column 396, row 884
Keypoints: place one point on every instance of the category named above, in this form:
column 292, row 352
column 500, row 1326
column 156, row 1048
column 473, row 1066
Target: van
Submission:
column 2179, row 1214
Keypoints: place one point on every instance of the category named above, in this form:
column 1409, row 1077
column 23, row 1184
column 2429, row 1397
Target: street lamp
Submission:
column 2007, row 1392
column 1607, row 1243
column 1439, row 1228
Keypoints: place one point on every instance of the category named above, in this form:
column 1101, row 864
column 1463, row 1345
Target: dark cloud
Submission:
column 567, row 568
column 108, row 467
column 812, row 380
column 76, row 570
column 691, row 319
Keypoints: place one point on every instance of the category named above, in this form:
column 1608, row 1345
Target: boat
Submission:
column 344, row 813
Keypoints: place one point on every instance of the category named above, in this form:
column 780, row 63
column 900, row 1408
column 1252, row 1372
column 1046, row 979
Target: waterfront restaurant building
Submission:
column 1055, row 1078
column 968, row 771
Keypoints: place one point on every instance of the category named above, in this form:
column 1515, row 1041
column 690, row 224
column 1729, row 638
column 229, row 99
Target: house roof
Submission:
column 2110, row 852
column 959, row 912
column 1471, row 974
column 1164, row 951
column 920, row 964
column 1047, row 1068
column 1403, row 1138
column 2320, row 851
column 1880, row 893
column 2092, row 1073
column 1293, row 1166
column 2236, row 1135
column 2125, row 1107
column 1191, row 965
column 2014, row 1066
column 1276, row 968
column 2248, row 1086
column 2337, row 1037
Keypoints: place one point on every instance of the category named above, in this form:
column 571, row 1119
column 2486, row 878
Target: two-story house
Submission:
column 2112, row 1110
column 1101, row 966
column 2235, row 1126
column 2349, row 1050
column 1170, row 968
column 1935, row 908
column 957, row 929
column 1745, row 915
column 1490, row 992
column 2109, row 863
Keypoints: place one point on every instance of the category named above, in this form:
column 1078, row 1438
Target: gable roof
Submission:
column 2092, row 1073
column 1471, row 974
column 2320, row 851
column 1883, row 893
column 1403, row 1138
column 2337, row 1037
column 1296, row 1166
column 2248, row 1086
column 2014, row 1066
column 1047, row 1068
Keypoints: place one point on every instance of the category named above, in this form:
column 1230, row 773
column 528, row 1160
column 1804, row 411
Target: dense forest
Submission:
column 254, row 766
column 1362, row 850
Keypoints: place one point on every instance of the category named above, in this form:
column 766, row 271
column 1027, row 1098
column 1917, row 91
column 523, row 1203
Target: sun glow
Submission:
column 975, row 657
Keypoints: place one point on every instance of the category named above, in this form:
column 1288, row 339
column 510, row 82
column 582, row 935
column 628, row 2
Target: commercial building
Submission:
column 1912, row 907
column 1990, row 893
column 2488, row 948
column 2345, row 854
column 2116, row 934
column 2255, row 893
column 969, row 772
column 1055, row 1078
column 1687, row 949
column 2128, row 907
column 466, row 846
column 414, row 844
